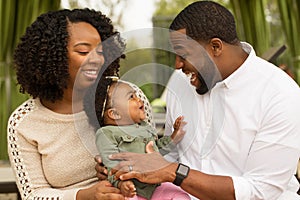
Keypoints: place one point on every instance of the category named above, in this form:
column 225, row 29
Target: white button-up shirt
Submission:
column 246, row 127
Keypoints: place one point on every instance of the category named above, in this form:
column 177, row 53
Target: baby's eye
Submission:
column 133, row 96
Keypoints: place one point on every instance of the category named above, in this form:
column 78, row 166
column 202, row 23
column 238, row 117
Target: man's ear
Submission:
column 112, row 113
column 216, row 46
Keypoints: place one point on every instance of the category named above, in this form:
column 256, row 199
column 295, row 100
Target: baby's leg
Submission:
column 136, row 197
column 169, row 191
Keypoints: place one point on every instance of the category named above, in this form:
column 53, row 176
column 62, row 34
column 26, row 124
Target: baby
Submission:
column 121, row 116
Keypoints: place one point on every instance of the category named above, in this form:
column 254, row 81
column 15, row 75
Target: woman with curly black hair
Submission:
column 60, row 55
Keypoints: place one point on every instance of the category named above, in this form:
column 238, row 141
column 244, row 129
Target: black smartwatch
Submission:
column 182, row 172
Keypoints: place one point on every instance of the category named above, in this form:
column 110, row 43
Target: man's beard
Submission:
column 203, row 87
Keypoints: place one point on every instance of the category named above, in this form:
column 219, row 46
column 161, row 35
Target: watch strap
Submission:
column 179, row 176
column 178, row 180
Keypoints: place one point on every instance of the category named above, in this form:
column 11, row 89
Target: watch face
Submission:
column 183, row 170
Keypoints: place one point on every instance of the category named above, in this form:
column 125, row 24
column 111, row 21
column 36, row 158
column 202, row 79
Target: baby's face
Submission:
column 127, row 104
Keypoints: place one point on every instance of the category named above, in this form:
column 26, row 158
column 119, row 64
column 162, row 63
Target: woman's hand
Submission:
column 101, row 171
column 103, row 190
column 148, row 168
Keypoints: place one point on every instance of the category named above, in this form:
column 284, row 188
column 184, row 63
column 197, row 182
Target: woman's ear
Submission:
column 112, row 113
column 216, row 46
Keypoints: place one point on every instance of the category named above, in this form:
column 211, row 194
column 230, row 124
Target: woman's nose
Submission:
column 96, row 57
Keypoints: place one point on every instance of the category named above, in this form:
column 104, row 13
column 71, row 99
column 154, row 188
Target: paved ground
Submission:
column 8, row 196
column 6, row 174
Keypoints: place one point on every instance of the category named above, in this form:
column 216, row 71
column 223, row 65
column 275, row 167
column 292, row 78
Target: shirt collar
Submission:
column 237, row 74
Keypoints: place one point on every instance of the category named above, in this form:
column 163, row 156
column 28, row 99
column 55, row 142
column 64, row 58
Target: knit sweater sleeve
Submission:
column 26, row 162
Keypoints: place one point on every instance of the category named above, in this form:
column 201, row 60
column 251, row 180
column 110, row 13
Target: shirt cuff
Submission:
column 241, row 188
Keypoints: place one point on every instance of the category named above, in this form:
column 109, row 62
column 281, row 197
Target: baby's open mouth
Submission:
column 141, row 107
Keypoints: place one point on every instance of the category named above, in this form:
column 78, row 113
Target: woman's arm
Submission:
column 27, row 149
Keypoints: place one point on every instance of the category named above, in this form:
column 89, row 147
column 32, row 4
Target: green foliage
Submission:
column 252, row 24
column 290, row 20
column 134, row 56
column 134, row 59
column 266, row 24
column 170, row 7
column 15, row 16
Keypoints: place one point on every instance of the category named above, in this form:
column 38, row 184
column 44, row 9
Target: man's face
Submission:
column 193, row 60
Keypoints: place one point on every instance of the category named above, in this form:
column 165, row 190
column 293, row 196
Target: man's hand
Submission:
column 100, row 169
column 148, row 168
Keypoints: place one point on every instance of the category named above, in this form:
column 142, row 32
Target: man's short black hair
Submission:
column 204, row 20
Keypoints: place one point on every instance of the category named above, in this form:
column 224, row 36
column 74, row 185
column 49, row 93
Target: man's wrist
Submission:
column 181, row 172
column 170, row 172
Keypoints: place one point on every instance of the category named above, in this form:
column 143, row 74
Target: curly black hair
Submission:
column 204, row 20
column 41, row 59
column 93, row 101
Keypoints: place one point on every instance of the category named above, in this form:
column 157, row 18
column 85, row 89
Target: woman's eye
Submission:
column 83, row 52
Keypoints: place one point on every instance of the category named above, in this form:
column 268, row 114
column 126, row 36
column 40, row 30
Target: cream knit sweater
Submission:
column 51, row 156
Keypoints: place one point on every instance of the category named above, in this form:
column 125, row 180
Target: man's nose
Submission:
column 178, row 63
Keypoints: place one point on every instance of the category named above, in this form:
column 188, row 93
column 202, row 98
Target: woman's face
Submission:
column 85, row 55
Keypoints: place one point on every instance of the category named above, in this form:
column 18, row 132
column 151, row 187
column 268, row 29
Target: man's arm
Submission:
column 198, row 184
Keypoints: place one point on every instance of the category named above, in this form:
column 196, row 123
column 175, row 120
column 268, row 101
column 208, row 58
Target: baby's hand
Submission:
column 127, row 188
column 178, row 133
